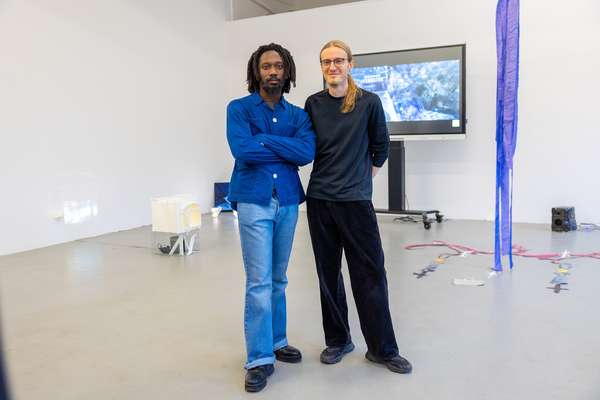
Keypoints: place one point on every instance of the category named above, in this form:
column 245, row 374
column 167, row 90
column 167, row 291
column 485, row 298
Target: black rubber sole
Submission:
column 294, row 360
column 347, row 349
column 258, row 388
column 391, row 367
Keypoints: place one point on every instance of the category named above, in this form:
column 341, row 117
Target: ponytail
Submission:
column 350, row 99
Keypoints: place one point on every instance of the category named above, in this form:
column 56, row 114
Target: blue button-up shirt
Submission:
column 268, row 146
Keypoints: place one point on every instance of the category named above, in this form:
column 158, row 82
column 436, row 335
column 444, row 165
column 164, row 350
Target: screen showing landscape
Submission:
column 426, row 91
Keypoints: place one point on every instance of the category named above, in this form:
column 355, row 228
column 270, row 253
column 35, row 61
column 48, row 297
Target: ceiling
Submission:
column 254, row 8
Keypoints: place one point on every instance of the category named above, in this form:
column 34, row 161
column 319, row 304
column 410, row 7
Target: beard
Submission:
column 334, row 81
column 270, row 88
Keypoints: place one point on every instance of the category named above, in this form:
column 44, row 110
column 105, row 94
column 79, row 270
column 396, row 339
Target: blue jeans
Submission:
column 266, row 234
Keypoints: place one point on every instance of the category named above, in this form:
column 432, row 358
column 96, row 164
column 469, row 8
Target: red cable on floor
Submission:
column 519, row 251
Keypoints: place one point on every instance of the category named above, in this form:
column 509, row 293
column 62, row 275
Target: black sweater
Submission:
column 348, row 145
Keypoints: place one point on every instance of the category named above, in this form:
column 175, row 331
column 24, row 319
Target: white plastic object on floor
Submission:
column 183, row 246
column 176, row 214
column 171, row 243
column 468, row 282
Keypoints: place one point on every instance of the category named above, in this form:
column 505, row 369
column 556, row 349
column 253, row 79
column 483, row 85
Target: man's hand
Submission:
column 374, row 171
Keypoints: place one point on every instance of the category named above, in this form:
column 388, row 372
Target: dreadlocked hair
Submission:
column 354, row 91
column 253, row 73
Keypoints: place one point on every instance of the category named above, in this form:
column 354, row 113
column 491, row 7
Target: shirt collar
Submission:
column 257, row 100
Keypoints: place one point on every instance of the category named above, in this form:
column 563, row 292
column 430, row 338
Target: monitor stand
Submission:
column 396, row 188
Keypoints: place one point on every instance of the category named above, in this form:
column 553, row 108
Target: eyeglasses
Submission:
column 338, row 62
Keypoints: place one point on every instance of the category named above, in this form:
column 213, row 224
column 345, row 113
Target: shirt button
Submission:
column 274, row 119
column 274, row 176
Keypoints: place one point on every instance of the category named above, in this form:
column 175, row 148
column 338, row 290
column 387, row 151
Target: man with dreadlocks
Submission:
column 269, row 139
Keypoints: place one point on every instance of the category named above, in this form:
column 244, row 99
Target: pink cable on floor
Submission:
column 520, row 251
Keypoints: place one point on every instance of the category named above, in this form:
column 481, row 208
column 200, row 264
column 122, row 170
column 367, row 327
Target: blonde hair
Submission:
column 353, row 91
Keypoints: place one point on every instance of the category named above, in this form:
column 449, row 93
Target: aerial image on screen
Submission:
column 414, row 92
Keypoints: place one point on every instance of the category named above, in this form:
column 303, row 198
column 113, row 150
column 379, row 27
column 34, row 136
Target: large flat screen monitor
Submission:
column 422, row 90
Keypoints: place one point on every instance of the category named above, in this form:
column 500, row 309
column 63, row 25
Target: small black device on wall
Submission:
column 563, row 219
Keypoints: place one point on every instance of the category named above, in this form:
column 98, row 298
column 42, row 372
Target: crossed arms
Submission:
column 261, row 148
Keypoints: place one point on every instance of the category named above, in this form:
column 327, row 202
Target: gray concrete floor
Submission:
column 106, row 318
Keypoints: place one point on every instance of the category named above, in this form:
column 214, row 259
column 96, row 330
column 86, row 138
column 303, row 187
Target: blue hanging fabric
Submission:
column 507, row 43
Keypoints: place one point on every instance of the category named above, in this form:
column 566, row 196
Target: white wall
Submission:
column 114, row 101
column 123, row 100
column 557, row 160
column 558, row 134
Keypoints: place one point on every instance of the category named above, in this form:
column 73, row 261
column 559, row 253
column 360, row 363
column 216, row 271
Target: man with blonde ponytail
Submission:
column 352, row 144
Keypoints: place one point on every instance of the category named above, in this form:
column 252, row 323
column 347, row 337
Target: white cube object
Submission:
column 175, row 214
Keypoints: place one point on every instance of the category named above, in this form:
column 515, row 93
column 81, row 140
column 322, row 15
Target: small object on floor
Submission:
column 425, row 271
column 288, row 354
column 421, row 274
column 560, row 277
column 166, row 249
column 558, row 287
column 468, row 282
column 334, row 354
column 559, row 280
column 221, row 192
column 588, row 227
column 256, row 378
column 494, row 274
column 397, row 364
column 408, row 218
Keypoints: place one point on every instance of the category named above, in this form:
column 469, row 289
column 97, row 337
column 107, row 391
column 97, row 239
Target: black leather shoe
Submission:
column 397, row 364
column 256, row 378
column 334, row 354
column 288, row 354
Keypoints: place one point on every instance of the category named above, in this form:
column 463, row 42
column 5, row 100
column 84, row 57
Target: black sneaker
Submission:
column 288, row 354
column 397, row 364
column 334, row 354
column 256, row 378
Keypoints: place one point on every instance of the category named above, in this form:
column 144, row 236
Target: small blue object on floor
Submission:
column 221, row 192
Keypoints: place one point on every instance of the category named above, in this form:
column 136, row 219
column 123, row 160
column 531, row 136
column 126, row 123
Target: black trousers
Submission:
column 351, row 226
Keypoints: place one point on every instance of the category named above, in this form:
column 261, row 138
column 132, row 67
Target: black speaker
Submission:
column 563, row 219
